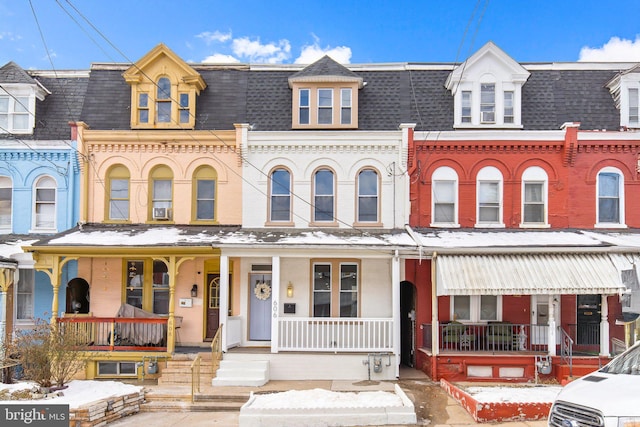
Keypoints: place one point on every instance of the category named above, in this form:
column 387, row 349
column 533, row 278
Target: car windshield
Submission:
column 626, row 363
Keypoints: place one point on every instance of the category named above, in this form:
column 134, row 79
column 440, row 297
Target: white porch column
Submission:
column 551, row 332
column 224, row 298
column 275, row 302
column 604, row 327
column 395, row 304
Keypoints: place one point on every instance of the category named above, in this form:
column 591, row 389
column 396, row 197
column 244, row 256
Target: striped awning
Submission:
column 527, row 274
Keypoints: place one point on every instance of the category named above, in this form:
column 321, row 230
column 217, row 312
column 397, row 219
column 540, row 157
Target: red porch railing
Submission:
column 491, row 336
column 119, row 333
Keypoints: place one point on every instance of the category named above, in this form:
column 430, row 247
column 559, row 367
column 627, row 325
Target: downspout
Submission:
column 434, row 320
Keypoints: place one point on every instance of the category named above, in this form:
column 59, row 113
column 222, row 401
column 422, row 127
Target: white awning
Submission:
column 527, row 274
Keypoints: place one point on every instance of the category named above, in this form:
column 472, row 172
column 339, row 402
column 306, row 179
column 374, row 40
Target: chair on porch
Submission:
column 499, row 336
column 455, row 335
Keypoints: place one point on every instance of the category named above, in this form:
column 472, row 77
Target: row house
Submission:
column 335, row 222
column 39, row 175
column 519, row 199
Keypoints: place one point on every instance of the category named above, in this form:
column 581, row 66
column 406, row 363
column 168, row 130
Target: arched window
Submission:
column 489, row 197
column 610, row 204
column 163, row 100
column 535, row 184
column 324, row 196
column 161, row 193
column 118, row 191
column 280, row 192
column 6, row 196
column 45, row 203
column 444, row 197
column 368, row 197
column 204, row 195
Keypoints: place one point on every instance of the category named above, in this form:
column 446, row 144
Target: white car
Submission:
column 608, row 397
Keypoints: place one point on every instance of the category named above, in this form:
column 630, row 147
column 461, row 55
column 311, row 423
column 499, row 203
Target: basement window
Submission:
column 117, row 369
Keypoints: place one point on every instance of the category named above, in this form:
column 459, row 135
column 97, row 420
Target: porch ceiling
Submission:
column 527, row 274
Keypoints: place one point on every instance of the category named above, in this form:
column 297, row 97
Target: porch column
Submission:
column 275, row 295
column 6, row 279
column 395, row 304
column 604, row 327
column 224, row 299
column 551, row 332
column 171, row 321
column 55, row 284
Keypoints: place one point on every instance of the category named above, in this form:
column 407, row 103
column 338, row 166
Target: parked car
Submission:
column 608, row 397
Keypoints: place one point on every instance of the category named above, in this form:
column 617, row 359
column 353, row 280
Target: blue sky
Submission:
column 79, row 32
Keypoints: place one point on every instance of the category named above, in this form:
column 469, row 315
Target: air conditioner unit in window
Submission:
column 488, row 117
column 161, row 213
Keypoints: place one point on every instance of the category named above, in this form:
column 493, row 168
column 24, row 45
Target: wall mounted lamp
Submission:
column 194, row 290
column 290, row 290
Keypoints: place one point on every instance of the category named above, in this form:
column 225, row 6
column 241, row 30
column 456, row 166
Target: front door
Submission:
column 260, row 307
column 213, row 305
column 588, row 319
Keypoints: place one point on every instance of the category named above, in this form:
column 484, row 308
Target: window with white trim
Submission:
column 325, row 106
column 6, row 196
column 634, row 106
column 15, row 114
column 444, row 195
column 487, row 103
column 25, row 295
column 534, row 197
column 465, row 114
column 489, row 198
column 280, row 195
column 368, row 196
column 476, row 308
column 508, row 106
column 324, row 196
column 610, row 197
column 45, row 203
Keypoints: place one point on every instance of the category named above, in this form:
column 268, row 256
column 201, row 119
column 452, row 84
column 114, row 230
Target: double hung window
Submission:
column 280, row 191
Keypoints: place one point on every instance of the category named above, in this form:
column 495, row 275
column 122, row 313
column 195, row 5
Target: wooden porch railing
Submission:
column 491, row 336
column 119, row 333
column 335, row 334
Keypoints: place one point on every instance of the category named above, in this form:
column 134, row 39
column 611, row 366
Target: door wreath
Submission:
column 262, row 291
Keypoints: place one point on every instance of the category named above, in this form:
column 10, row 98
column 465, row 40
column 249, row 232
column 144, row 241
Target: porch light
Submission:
column 194, row 290
column 290, row 290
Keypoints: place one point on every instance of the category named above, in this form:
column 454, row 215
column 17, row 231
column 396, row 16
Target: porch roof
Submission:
column 528, row 274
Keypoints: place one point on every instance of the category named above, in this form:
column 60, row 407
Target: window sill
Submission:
column 323, row 224
column 203, row 222
column 368, row 224
column 279, row 224
column 488, row 225
column 535, row 226
column 444, row 225
column 609, row 225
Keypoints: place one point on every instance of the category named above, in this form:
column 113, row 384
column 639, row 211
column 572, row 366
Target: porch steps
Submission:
column 582, row 366
column 177, row 370
column 242, row 373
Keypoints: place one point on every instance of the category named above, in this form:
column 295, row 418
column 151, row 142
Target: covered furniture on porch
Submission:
column 499, row 336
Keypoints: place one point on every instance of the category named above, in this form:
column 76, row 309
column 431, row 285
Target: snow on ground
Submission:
column 319, row 398
column 520, row 394
column 77, row 393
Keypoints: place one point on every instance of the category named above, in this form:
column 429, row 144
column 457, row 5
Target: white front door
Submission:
column 540, row 319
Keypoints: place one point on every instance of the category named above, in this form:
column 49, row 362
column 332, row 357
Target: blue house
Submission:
column 39, row 178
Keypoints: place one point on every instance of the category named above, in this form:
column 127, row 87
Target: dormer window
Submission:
column 487, row 90
column 18, row 94
column 625, row 90
column 163, row 91
column 325, row 95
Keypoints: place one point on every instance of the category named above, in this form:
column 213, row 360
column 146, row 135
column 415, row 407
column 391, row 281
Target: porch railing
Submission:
column 492, row 336
column 566, row 349
column 335, row 334
column 119, row 333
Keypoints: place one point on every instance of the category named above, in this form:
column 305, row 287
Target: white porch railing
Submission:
column 335, row 334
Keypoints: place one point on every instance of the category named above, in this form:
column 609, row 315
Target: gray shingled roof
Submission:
column 325, row 66
column 263, row 98
column 13, row 73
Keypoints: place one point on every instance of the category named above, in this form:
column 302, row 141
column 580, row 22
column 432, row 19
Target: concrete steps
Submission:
column 177, row 371
column 242, row 373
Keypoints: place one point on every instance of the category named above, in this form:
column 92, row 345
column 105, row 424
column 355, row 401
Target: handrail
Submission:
column 566, row 349
column 617, row 346
column 195, row 377
column 216, row 349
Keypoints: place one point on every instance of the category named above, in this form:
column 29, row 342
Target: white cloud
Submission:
column 216, row 36
column 254, row 51
column 616, row 49
column 220, row 58
column 313, row 52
